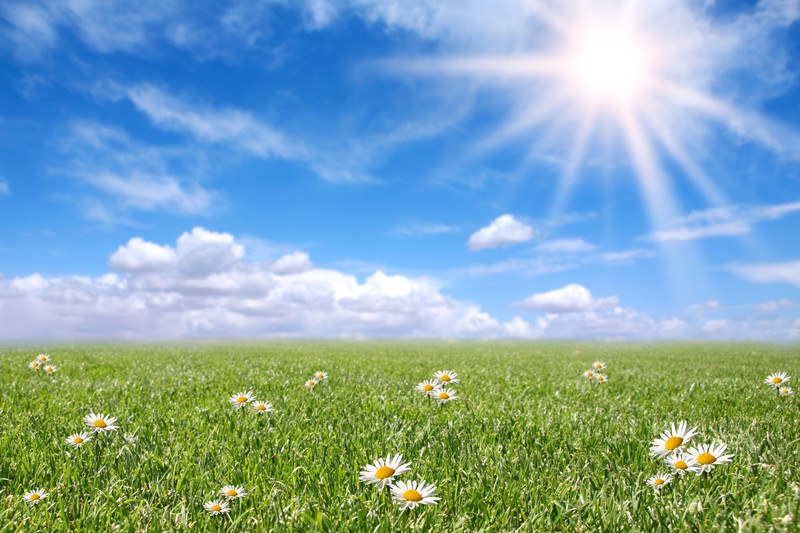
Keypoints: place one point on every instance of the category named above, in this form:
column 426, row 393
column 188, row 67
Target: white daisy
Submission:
column 599, row 365
column 658, row 482
column 589, row 374
column 785, row 391
column 101, row 422
column 447, row 377
column 710, row 455
column 262, row 407
column 680, row 463
column 50, row 369
column 319, row 375
column 233, row 492
column 444, row 396
column 311, row 383
column 427, row 387
column 78, row 439
column 34, row 496
column 216, row 507
column 382, row 471
column 409, row 495
column 43, row 357
column 34, row 365
column 600, row 378
column 777, row 379
column 672, row 440
column 241, row 399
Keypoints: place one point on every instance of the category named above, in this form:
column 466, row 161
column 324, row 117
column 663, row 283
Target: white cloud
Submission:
column 774, row 305
column 571, row 298
column 413, row 229
column 707, row 307
column 566, row 245
column 715, row 326
column 784, row 272
column 204, row 286
column 132, row 175
column 231, row 126
column 726, row 221
column 505, row 230
column 4, row 187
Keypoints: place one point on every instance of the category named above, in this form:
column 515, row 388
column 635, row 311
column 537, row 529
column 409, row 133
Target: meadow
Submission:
column 529, row 445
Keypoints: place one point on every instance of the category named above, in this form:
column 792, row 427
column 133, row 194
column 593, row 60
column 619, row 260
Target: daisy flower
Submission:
column 262, row 407
column 447, row 377
column 777, row 379
column 50, row 369
column 427, row 387
column 601, row 378
column 382, row 471
column 319, row 375
column 680, row 463
column 409, row 495
column 240, row 399
column 34, row 496
column 589, row 374
column 216, row 507
column 232, row 492
column 34, row 365
column 43, row 357
column 599, row 365
column 311, row 383
column 672, row 440
column 658, row 482
column 710, row 455
column 785, row 391
column 101, row 422
column 78, row 439
column 443, row 396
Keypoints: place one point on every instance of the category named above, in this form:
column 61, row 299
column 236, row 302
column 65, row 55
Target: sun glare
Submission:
column 608, row 64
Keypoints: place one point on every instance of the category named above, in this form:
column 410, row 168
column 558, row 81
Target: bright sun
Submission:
column 608, row 64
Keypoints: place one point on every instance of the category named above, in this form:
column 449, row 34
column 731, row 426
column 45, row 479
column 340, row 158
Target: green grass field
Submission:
column 530, row 445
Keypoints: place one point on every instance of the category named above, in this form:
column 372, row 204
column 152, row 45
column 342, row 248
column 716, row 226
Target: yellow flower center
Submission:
column 445, row 378
column 77, row 440
column 232, row 493
column 427, row 387
column 35, row 497
column 444, row 396
column 600, row 378
column 706, row 458
column 261, row 407
column 672, row 443
column 320, row 376
column 310, row 384
column 412, row 496
column 36, row 364
column 216, row 508
column 598, row 367
column 590, row 374
column 658, row 482
column 777, row 380
column 43, row 359
column 99, row 423
column 681, row 465
column 384, row 472
column 241, row 399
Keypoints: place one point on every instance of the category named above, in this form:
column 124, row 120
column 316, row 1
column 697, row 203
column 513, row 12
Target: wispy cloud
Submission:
column 414, row 229
column 721, row 222
column 781, row 272
column 5, row 189
column 132, row 175
column 566, row 245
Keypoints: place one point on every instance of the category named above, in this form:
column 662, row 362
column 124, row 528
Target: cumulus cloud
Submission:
column 203, row 285
column 774, row 305
column 568, row 299
column 505, row 230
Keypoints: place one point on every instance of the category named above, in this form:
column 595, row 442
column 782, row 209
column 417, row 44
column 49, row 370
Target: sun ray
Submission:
column 570, row 174
column 675, row 148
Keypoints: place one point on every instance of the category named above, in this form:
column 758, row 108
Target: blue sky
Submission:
column 421, row 168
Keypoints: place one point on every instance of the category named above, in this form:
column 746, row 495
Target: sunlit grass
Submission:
column 529, row 445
